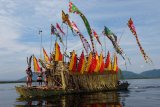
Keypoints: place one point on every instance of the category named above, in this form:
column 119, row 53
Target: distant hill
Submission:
column 130, row 75
column 155, row 73
column 34, row 77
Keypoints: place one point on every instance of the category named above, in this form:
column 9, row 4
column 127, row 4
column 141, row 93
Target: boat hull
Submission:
column 35, row 91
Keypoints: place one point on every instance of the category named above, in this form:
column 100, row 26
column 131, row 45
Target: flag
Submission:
column 115, row 64
column 132, row 27
column 108, row 62
column 96, row 36
column 35, row 64
column 101, row 63
column 55, row 32
column 133, row 30
column 74, row 26
column 42, row 63
column 72, row 61
column 85, row 43
column 110, row 35
column 52, row 30
column 65, row 19
column 75, row 64
column 93, row 64
column 81, row 64
column 59, row 28
column 83, row 39
column 117, row 68
column 89, row 61
column 60, row 38
column 58, row 54
column 113, row 38
column 96, row 63
column 74, row 9
column 46, row 58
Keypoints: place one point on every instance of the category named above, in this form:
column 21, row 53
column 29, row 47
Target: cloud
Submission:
column 21, row 20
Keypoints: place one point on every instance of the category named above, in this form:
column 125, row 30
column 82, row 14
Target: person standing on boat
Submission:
column 46, row 75
column 39, row 78
column 29, row 76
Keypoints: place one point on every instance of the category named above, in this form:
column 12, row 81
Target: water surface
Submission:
column 142, row 93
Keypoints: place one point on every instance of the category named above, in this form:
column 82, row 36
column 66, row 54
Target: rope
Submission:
column 122, row 34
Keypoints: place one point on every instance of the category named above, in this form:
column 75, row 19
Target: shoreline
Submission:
column 5, row 82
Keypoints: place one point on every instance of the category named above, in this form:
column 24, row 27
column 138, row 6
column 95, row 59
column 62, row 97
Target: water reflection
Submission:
column 123, row 97
column 103, row 99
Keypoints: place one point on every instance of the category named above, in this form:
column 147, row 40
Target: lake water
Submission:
column 142, row 93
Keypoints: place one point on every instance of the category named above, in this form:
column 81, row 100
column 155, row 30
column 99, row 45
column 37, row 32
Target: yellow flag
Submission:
column 97, row 63
column 46, row 58
column 101, row 63
column 89, row 62
column 114, row 63
column 108, row 64
column 35, row 64
column 72, row 61
column 83, row 66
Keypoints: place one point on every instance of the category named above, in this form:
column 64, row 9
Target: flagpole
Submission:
column 104, row 45
column 50, row 41
column 40, row 33
column 63, row 46
column 66, row 43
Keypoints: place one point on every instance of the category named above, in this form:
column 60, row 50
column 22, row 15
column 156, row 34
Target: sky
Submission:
column 20, row 21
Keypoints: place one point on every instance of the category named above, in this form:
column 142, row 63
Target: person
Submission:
column 39, row 78
column 29, row 76
column 118, row 82
column 46, row 75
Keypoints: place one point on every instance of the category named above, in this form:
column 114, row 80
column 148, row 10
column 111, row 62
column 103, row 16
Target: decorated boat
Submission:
column 89, row 72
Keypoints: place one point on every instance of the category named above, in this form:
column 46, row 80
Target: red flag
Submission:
column 108, row 62
column 117, row 68
column 81, row 62
column 101, row 63
column 96, row 36
column 74, row 26
column 131, row 26
column 133, row 30
column 59, row 28
column 60, row 56
column 93, row 64
column 83, row 39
